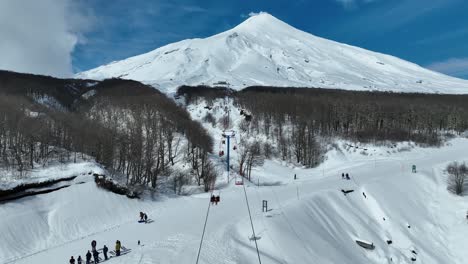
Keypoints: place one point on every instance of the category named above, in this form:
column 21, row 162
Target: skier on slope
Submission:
column 141, row 216
column 72, row 260
column 117, row 248
column 104, row 251
column 79, row 260
column 88, row 257
column 146, row 218
column 347, row 176
column 342, row 176
column 213, row 199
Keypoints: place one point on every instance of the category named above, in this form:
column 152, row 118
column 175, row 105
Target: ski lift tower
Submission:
column 228, row 134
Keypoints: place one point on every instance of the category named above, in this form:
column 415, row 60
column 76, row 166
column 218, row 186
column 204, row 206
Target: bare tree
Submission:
column 457, row 176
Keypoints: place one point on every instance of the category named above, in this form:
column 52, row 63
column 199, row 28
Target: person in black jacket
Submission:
column 79, row 260
column 96, row 256
column 88, row 257
column 72, row 260
column 104, row 251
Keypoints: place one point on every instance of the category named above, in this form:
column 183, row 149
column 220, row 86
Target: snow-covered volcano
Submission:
column 266, row 51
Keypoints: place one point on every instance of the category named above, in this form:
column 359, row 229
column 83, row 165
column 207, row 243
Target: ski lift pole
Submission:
column 228, row 151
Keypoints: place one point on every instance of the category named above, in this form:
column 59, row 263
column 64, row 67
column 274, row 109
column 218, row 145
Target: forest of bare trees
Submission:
column 298, row 119
column 131, row 129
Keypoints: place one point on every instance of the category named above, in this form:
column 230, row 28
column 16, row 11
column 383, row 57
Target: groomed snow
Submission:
column 266, row 51
column 310, row 220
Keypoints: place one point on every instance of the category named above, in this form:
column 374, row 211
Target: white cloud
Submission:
column 39, row 36
column 251, row 14
column 455, row 67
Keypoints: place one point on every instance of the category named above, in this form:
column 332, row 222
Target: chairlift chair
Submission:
column 239, row 181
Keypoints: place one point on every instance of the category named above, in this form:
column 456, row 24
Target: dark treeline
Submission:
column 130, row 128
column 193, row 93
column 294, row 117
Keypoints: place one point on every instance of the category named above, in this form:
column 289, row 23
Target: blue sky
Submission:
column 432, row 33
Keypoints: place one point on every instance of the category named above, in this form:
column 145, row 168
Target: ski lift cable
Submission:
column 203, row 234
column 251, row 224
column 204, row 227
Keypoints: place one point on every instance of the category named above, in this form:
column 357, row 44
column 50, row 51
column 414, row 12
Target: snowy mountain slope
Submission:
column 266, row 51
column 310, row 220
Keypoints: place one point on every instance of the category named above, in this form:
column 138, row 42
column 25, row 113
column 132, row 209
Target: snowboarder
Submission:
column 216, row 199
column 295, row 177
column 88, row 257
column 347, row 176
column 93, row 245
column 141, row 216
column 96, row 256
column 364, row 194
column 72, row 260
column 146, row 218
column 213, row 199
column 342, row 176
column 117, row 248
column 79, row 260
column 104, row 251
column 138, row 242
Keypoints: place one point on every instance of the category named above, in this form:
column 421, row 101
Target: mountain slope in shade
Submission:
column 266, row 51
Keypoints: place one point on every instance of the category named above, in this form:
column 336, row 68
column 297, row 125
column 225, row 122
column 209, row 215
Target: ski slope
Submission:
column 268, row 52
column 310, row 220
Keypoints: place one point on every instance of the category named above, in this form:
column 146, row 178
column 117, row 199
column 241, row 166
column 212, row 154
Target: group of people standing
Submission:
column 214, row 199
column 93, row 253
column 345, row 176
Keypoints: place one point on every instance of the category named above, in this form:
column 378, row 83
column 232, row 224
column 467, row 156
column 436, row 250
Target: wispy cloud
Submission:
column 351, row 4
column 40, row 36
column 392, row 15
column 454, row 66
column 123, row 32
column 448, row 35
